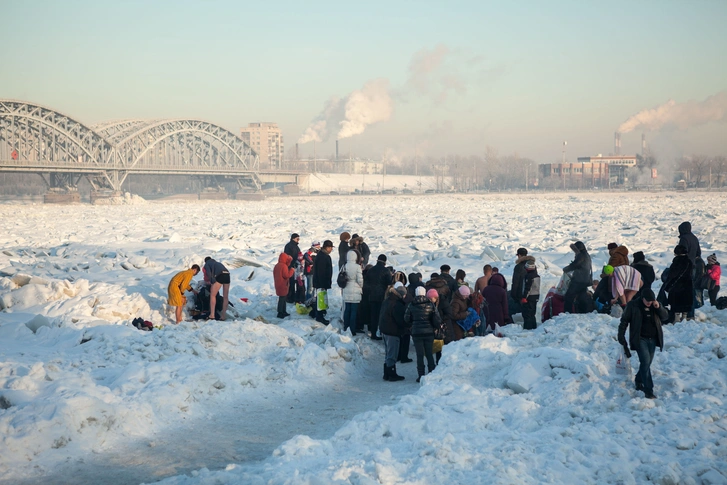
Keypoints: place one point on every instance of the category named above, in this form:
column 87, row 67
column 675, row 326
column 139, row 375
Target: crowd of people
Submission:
column 386, row 304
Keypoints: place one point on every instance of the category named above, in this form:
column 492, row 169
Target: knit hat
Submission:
column 608, row 270
column 464, row 290
column 294, row 236
column 432, row 293
column 420, row 291
column 648, row 294
column 345, row 236
column 529, row 265
column 398, row 284
column 639, row 256
column 612, row 246
column 327, row 243
column 401, row 290
column 712, row 259
column 522, row 252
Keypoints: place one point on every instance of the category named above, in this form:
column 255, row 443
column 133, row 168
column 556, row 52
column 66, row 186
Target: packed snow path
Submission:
column 243, row 431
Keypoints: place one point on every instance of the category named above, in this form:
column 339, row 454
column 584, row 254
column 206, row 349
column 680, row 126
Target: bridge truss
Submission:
column 41, row 140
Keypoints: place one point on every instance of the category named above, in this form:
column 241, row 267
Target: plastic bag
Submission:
column 322, row 300
column 302, row 309
column 623, row 364
column 564, row 283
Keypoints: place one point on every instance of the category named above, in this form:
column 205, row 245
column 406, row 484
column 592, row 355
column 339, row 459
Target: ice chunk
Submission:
column 36, row 322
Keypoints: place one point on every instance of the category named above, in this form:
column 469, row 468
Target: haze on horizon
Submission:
column 391, row 78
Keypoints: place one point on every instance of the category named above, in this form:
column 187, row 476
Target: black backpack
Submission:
column 721, row 303
column 342, row 277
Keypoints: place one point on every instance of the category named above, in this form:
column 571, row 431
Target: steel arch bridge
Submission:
column 40, row 140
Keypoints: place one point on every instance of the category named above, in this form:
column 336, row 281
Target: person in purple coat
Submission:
column 495, row 295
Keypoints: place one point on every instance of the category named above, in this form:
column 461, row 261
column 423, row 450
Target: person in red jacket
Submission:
column 282, row 272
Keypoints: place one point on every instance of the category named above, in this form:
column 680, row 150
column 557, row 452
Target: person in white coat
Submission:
column 352, row 292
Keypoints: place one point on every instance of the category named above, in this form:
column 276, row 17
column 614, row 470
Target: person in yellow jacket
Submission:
column 177, row 286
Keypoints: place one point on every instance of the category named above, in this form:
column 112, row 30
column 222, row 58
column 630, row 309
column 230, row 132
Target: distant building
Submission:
column 598, row 171
column 266, row 140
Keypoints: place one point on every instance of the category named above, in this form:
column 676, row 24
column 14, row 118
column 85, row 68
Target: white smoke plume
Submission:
column 433, row 73
column 680, row 115
column 351, row 115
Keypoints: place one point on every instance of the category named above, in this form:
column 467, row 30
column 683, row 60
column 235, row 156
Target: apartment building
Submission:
column 266, row 140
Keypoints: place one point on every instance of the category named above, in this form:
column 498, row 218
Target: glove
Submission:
column 524, row 300
column 627, row 352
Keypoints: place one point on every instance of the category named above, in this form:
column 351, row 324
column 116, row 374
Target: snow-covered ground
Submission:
column 87, row 398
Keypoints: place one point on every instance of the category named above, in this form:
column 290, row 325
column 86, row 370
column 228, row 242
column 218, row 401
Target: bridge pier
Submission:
column 62, row 188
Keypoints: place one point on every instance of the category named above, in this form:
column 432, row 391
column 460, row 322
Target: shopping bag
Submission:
column 322, row 300
column 302, row 309
column 437, row 346
column 623, row 364
column 564, row 283
column 498, row 331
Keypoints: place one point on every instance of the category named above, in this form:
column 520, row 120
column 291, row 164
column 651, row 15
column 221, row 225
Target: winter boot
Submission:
column 386, row 372
column 431, row 369
column 393, row 376
column 420, row 371
column 321, row 318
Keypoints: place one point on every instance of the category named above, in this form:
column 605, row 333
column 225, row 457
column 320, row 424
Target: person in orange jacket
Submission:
column 282, row 272
column 177, row 286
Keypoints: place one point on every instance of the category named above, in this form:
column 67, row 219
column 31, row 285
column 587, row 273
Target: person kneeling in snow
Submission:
column 177, row 286
column 644, row 315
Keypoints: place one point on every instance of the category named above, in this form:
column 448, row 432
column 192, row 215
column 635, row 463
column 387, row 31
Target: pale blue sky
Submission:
column 535, row 73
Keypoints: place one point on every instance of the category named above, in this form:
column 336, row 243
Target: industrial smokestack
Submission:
column 643, row 144
column 336, row 150
column 617, row 143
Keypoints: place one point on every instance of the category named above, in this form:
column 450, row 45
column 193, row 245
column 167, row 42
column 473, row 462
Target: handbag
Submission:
column 705, row 282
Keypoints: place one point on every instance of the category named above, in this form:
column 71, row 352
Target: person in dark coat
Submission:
column 292, row 249
column 459, row 305
column 445, row 308
column 495, row 295
column 376, row 281
column 694, row 253
column 644, row 316
column 343, row 249
column 364, row 309
column 647, row 271
column 322, row 278
column 422, row 318
column 415, row 281
column 357, row 242
column 518, row 273
column 392, row 326
column 679, row 285
column 451, row 282
column 581, row 278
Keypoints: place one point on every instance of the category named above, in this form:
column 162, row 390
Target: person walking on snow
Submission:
column 282, row 272
column 644, row 316
column 180, row 283
column 322, row 277
column 352, row 292
column 217, row 275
